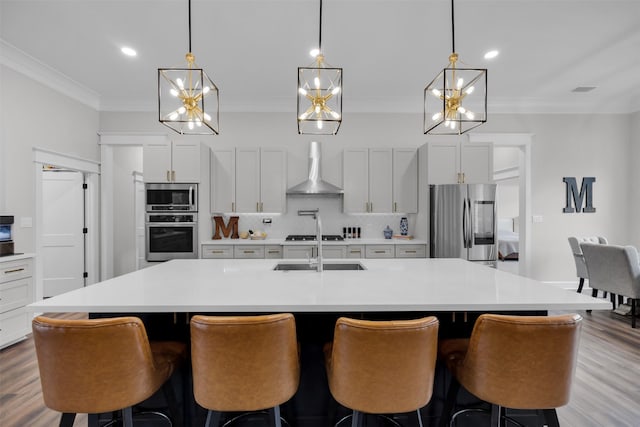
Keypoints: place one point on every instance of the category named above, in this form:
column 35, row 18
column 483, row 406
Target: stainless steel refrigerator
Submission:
column 463, row 222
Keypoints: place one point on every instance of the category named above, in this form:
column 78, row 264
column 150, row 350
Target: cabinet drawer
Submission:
column 14, row 325
column 217, row 251
column 355, row 251
column 15, row 294
column 379, row 251
column 14, row 270
column 334, row 251
column 303, row 251
column 273, row 251
column 246, row 251
column 411, row 251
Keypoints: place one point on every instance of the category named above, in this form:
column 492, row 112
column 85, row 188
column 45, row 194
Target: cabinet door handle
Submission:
column 15, row 270
column 233, row 206
column 261, row 207
column 217, row 252
column 379, row 252
column 257, row 206
column 354, row 251
column 273, row 252
column 395, row 206
column 169, row 176
column 249, row 252
column 410, row 252
column 173, row 175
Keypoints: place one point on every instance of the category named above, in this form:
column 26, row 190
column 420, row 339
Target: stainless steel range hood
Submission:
column 315, row 185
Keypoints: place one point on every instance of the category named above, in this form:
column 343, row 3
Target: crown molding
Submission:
column 25, row 64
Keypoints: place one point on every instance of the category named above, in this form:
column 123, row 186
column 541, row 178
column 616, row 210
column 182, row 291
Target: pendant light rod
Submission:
column 320, row 30
column 453, row 30
column 189, row 25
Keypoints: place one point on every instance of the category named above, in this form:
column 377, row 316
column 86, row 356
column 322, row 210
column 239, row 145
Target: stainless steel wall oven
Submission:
column 171, row 236
column 171, row 229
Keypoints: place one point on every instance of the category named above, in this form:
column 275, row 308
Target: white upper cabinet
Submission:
column 177, row 161
column 273, row 180
column 368, row 180
column 405, row 180
column 223, row 180
column 248, row 180
column 459, row 162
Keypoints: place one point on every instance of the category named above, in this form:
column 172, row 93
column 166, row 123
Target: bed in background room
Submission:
column 508, row 239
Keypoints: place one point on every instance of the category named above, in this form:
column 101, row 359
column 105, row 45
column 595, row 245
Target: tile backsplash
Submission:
column 333, row 219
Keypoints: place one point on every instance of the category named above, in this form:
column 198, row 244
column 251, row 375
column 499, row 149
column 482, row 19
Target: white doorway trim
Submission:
column 523, row 142
column 108, row 142
column 91, row 169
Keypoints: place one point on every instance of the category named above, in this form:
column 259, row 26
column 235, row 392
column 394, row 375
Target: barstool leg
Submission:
column 551, row 417
column 174, row 409
column 580, row 285
column 633, row 312
column 274, row 418
column 66, row 420
column 127, row 417
column 419, row 418
column 213, row 419
column 356, row 420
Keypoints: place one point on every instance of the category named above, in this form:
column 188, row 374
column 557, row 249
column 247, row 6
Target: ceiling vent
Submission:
column 583, row 89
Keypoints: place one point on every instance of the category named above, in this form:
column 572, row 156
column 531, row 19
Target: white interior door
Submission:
column 63, row 239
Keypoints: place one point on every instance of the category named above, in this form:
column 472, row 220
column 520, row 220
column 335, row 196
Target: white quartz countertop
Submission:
column 282, row 241
column 16, row 257
column 232, row 285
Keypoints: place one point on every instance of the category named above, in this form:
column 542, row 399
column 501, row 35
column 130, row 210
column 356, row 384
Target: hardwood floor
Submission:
column 606, row 389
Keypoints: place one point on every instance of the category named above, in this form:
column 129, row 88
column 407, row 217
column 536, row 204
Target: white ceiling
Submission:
column 389, row 49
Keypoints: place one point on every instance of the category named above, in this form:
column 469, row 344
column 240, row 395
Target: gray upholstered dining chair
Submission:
column 615, row 269
column 578, row 257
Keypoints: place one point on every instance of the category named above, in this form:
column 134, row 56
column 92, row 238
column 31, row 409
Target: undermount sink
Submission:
column 325, row 266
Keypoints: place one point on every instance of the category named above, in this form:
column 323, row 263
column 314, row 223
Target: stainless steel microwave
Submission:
column 171, row 197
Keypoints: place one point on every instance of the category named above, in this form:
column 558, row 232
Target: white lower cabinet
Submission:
column 299, row 251
column 217, row 251
column 334, row 251
column 264, row 251
column 16, row 291
column 411, row 251
column 355, row 251
column 379, row 251
column 273, row 251
column 248, row 252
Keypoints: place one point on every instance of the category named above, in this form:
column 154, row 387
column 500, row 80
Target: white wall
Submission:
column 634, row 180
column 573, row 145
column 34, row 115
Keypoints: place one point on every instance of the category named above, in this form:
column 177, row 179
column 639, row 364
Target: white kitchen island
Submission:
column 386, row 285
column 454, row 290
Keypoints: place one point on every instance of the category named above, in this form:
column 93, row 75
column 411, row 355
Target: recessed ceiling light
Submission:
column 491, row 54
column 128, row 51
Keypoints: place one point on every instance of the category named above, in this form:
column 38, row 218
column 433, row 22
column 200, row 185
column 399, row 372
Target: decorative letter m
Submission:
column 585, row 194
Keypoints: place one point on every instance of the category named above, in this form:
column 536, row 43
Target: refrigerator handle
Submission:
column 470, row 228
column 465, row 216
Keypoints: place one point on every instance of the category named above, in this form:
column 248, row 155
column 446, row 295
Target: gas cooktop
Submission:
column 305, row 237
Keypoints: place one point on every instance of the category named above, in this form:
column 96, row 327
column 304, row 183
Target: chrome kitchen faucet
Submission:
column 315, row 213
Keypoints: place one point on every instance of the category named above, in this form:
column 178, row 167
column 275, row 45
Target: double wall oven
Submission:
column 171, row 221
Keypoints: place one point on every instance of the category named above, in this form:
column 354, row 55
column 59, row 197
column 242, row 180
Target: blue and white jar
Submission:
column 404, row 226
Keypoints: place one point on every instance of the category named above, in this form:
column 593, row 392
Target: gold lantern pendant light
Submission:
column 456, row 100
column 188, row 100
column 319, row 108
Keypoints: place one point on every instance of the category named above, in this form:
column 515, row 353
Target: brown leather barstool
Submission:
column 382, row 367
column 517, row 362
column 244, row 363
column 102, row 365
